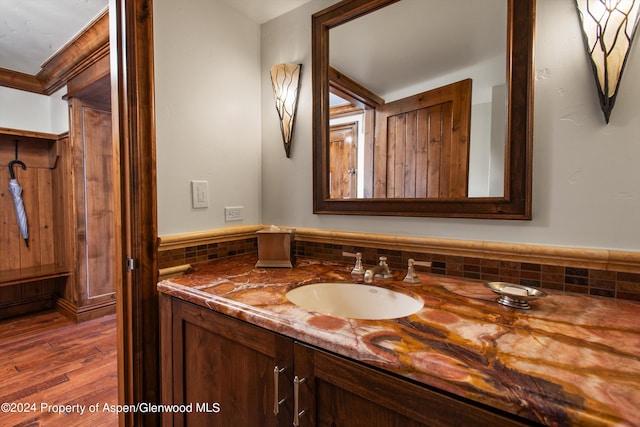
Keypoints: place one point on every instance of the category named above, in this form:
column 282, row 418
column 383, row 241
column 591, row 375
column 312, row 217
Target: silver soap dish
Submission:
column 516, row 296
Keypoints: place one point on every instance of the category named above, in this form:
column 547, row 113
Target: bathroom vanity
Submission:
column 239, row 352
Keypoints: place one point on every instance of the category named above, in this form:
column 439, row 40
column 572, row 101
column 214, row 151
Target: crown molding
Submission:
column 87, row 48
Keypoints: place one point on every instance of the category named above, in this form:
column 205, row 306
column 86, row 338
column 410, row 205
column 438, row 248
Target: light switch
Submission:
column 200, row 194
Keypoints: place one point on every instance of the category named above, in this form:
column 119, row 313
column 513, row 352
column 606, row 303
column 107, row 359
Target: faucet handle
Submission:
column 384, row 270
column 358, row 269
column 411, row 276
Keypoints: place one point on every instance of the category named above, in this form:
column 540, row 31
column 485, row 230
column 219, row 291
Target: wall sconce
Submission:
column 285, row 80
column 608, row 28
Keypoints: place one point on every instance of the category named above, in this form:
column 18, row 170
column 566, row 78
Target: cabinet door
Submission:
column 338, row 392
column 224, row 368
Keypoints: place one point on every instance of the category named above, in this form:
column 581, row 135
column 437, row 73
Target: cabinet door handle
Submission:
column 296, row 395
column 277, row 402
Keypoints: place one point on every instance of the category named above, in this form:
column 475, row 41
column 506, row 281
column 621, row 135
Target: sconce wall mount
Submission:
column 285, row 81
column 608, row 29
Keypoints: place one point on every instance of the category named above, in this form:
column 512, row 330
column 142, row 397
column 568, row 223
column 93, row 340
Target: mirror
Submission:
column 368, row 50
column 507, row 190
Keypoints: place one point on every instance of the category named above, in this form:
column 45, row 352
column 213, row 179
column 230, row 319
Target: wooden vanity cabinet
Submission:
column 210, row 357
column 340, row 392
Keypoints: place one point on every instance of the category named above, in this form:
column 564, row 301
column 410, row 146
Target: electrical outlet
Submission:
column 199, row 194
column 233, row 213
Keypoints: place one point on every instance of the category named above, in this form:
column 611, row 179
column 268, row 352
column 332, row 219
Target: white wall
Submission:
column 216, row 121
column 207, row 77
column 30, row 111
column 586, row 180
column 59, row 112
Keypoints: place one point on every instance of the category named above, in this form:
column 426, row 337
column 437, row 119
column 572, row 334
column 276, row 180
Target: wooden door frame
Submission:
column 131, row 46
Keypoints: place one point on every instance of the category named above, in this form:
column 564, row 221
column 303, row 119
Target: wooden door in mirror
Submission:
column 421, row 147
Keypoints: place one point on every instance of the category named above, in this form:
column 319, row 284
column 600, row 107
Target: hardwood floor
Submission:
column 47, row 361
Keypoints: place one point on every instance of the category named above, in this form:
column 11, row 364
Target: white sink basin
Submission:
column 354, row 301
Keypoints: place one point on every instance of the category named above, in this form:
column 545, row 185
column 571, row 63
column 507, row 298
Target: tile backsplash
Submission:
column 592, row 281
column 595, row 282
column 206, row 252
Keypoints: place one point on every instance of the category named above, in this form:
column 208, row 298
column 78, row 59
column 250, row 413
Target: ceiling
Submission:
column 31, row 31
column 414, row 41
column 261, row 11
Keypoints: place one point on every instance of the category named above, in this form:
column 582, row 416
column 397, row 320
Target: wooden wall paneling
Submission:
column 41, row 217
column 34, row 152
column 78, row 278
column 392, row 139
column 380, row 162
column 46, row 214
column 46, row 193
column 30, row 277
column 9, row 237
column 100, row 203
column 397, row 170
column 410, row 165
column 9, row 294
column 63, row 206
column 368, row 144
column 422, row 144
column 28, row 179
column 64, row 220
column 42, row 289
column 434, row 149
column 395, row 176
column 91, row 291
column 25, row 298
column 448, row 165
column 37, row 195
column 458, row 162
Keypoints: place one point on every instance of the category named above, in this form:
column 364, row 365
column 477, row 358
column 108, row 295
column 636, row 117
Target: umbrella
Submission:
column 16, row 192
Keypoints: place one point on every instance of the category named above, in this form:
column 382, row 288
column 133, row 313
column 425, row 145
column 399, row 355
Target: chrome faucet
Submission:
column 411, row 276
column 379, row 271
column 358, row 269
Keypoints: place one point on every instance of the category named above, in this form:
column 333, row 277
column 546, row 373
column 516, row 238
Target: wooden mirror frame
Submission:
column 516, row 202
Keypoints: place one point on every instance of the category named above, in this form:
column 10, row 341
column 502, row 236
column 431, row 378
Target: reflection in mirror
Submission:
column 404, row 50
column 360, row 65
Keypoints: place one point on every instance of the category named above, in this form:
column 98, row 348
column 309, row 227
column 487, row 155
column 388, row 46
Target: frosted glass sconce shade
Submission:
column 285, row 80
column 608, row 28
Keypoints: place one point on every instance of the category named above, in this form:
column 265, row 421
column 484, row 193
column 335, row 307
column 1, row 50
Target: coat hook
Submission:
column 16, row 162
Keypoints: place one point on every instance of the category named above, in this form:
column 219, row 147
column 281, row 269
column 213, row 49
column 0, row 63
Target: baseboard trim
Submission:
column 81, row 314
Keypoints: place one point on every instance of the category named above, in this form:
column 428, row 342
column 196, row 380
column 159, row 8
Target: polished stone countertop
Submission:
column 570, row 360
